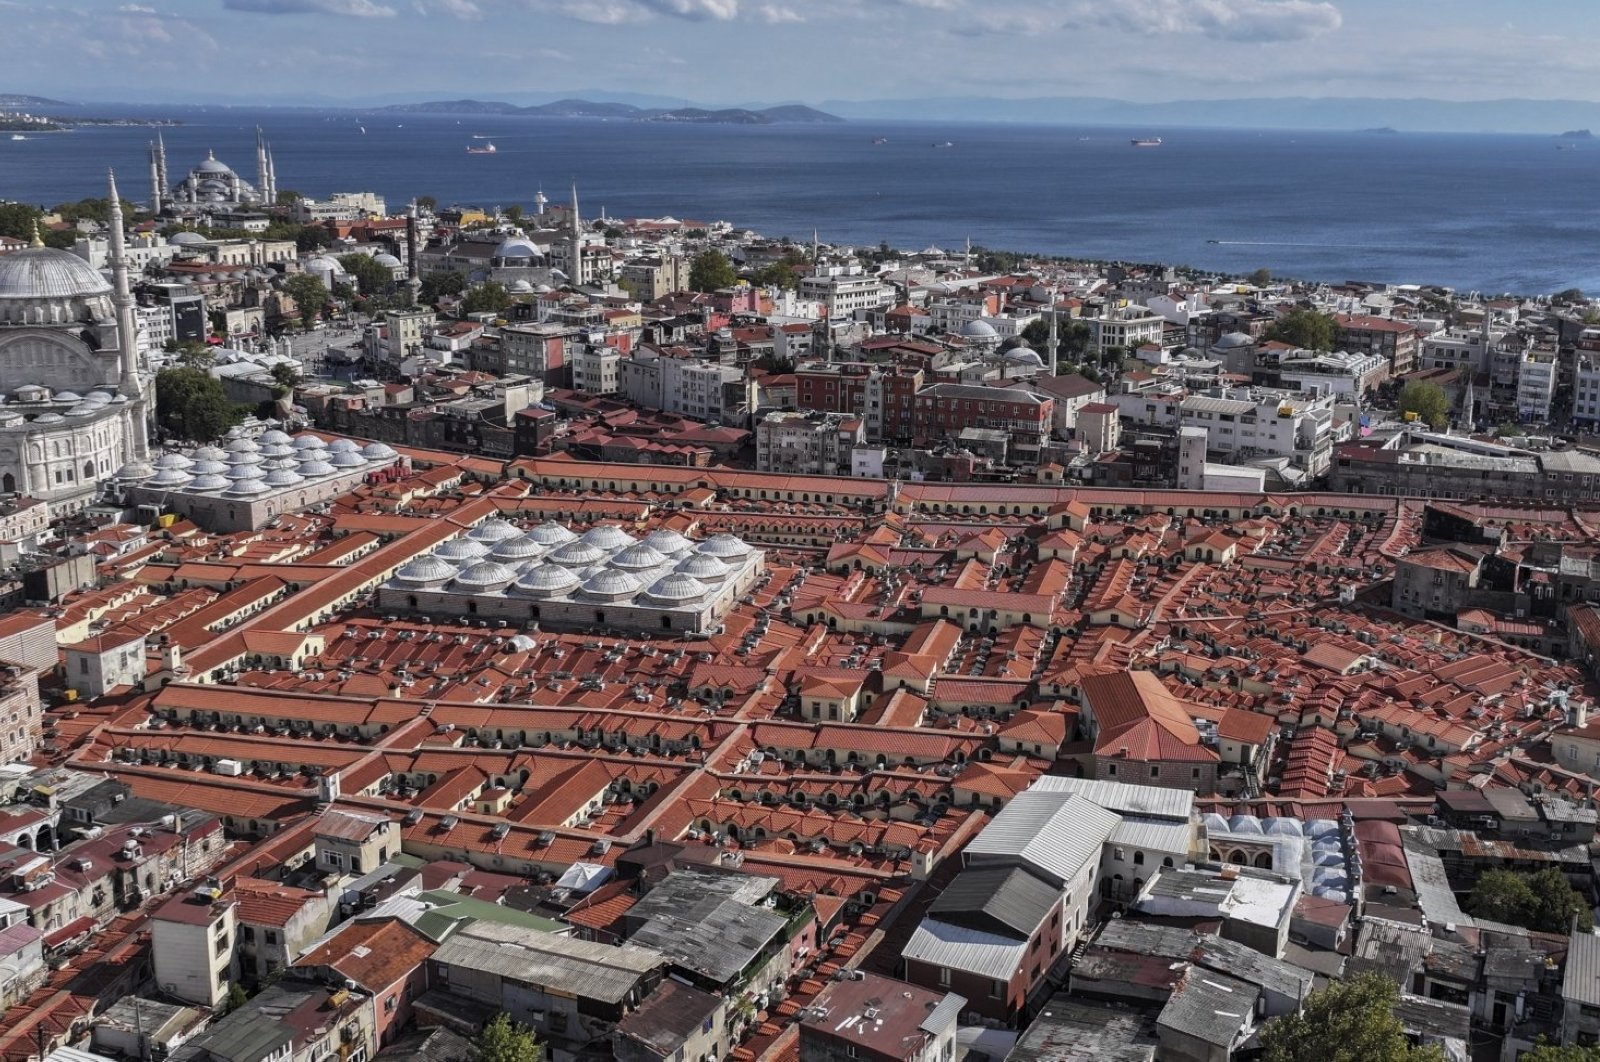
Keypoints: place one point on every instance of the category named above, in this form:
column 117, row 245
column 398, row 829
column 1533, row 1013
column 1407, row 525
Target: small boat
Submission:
column 477, row 136
column 363, row 129
column 1154, row 141
column 880, row 140
column 18, row 136
column 947, row 143
column 487, row 149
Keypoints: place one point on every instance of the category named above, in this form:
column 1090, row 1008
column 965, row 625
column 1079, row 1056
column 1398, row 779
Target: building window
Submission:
column 944, row 977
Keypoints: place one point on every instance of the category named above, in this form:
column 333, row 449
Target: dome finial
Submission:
column 37, row 241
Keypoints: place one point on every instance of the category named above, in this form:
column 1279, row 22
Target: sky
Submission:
column 728, row 52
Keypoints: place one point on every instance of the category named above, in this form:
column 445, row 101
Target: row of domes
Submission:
column 551, row 580
column 248, row 467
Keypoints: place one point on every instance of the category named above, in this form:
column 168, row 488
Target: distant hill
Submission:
column 11, row 101
column 573, row 108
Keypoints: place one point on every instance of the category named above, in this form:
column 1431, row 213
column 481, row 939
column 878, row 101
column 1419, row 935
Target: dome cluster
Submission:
column 603, row 565
column 246, row 467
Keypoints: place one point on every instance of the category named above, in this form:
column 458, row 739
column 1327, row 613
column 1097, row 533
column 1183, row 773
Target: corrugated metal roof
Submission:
column 1056, row 833
column 1580, row 982
column 1125, row 799
column 968, row 950
column 1211, row 1007
column 943, row 1015
column 1013, row 897
column 1153, row 834
column 528, row 956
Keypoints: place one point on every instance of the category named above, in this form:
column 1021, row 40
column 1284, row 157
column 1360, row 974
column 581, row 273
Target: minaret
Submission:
column 575, row 242
column 1055, row 337
column 816, row 253
column 37, row 241
column 132, row 382
column 156, row 190
column 540, row 203
column 413, row 270
column 161, row 163
column 262, row 179
column 272, row 178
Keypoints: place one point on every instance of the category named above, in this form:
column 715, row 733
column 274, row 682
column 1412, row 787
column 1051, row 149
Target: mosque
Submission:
column 75, row 394
column 213, row 184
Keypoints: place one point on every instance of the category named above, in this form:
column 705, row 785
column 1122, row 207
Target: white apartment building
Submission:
column 703, row 390
column 1338, row 373
column 1586, row 391
column 596, row 370
column 1127, row 327
column 808, row 444
column 1244, row 424
column 1456, row 348
column 1536, row 385
column 848, row 292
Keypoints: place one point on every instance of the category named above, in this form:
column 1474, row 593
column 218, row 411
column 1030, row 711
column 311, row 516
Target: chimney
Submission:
column 1580, row 714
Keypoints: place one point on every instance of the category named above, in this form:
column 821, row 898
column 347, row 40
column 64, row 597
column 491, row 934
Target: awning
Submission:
column 78, row 927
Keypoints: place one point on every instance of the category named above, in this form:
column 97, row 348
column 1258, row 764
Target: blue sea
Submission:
column 1494, row 213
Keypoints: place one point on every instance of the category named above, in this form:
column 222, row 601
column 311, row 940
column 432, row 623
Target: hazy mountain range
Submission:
column 576, row 108
column 1331, row 113
column 1328, row 113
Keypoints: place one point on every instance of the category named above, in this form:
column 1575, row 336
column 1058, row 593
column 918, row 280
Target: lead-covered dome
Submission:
column 547, row 580
column 48, row 273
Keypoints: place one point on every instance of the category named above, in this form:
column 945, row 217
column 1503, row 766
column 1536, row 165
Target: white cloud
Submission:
column 776, row 13
column 695, row 10
column 351, row 8
column 136, row 9
column 1258, row 21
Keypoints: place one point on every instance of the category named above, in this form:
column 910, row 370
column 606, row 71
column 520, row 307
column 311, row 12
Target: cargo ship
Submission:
column 487, row 149
column 1154, row 141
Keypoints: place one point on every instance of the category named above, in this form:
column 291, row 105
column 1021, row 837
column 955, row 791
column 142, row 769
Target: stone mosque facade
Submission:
column 75, row 395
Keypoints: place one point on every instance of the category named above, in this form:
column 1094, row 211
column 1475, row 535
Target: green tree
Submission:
column 1349, row 1021
column 287, row 197
column 710, row 271
column 1556, row 904
column 1501, row 896
column 371, row 278
column 439, row 284
column 191, row 405
column 308, row 238
column 1427, row 400
column 1569, row 295
column 236, row 997
column 310, row 295
column 286, row 377
column 503, row 1040
column 427, row 203
column 16, row 220
column 193, row 355
column 1304, row 328
column 513, row 214
column 1261, row 278
column 1544, row 902
column 489, row 297
column 1543, row 1051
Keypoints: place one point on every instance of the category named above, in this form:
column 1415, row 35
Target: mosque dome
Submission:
column 273, row 437
column 1232, row 341
column 677, row 587
column 551, row 533
column 209, row 481
column 48, row 273
column 186, row 239
column 612, row 584
column 547, row 580
column 517, row 247
column 519, row 549
column 282, row 477
column 494, row 530
column 979, row 329
column 306, row 442
column 347, row 459
column 704, row 567
column 315, row 468
column 724, row 547
column 638, row 557
column 608, row 537
column 1023, row 356
column 485, row 575
column 667, row 541
column 388, row 261
column 578, row 554
column 338, row 446
column 522, row 287
column 378, row 452
column 244, row 488
column 461, row 550
column 424, row 570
